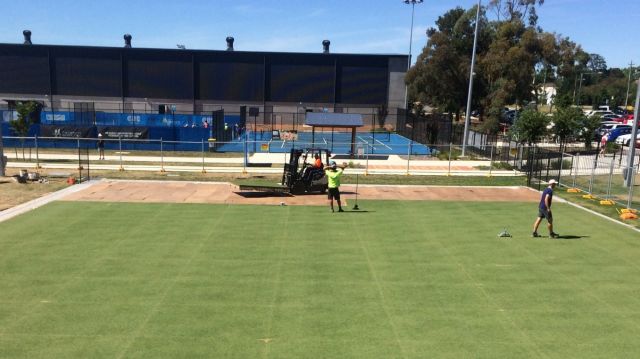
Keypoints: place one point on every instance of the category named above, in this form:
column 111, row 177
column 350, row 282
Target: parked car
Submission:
column 612, row 117
column 626, row 139
column 620, row 111
column 628, row 119
column 598, row 112
column 606, row 126
column 618, row 131
column 510, row 116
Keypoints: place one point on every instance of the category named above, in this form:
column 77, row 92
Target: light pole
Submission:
column 628, row 181
column 631, row 72
column 471, row 75
column 580, row 85
column 413, row 7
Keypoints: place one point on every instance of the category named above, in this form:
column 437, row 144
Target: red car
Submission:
column 628, row 119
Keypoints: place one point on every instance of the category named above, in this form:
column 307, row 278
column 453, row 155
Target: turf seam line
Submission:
column 66, row 284
column 380, row 291
column 163, row 181
column 623, row 315
column 487, row 296
column 277, row 285
column 154, row 309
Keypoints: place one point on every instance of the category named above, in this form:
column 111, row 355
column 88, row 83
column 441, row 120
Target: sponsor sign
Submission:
column 66, row 131
column 124, row 132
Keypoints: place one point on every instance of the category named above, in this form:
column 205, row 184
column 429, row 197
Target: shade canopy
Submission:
column 327, row 119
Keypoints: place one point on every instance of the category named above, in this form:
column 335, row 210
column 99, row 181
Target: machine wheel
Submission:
column 297, row 188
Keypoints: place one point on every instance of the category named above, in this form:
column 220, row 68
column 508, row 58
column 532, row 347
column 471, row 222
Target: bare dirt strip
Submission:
column 203, row 192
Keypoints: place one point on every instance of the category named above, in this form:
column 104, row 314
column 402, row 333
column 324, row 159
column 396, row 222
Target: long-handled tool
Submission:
column 355, row 207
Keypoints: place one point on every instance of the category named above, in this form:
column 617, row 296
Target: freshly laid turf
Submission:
column 394, row 280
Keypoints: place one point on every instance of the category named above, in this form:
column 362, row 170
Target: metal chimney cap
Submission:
column 127, row 40
column 325, row 46
column 27, row 37
column 230, row 40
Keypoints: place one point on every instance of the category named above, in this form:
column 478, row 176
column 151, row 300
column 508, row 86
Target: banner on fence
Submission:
column 125, row 132
column 66, row 131
column 9, row 115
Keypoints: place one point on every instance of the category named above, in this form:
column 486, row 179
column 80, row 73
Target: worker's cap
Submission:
column 333, row 163
column 99, row 135
column 552, row 181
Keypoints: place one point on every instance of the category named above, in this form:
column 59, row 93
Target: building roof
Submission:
column 328, row 119
column 189, row 51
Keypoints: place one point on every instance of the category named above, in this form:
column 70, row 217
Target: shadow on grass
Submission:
column 263, row 194
column 571, row 237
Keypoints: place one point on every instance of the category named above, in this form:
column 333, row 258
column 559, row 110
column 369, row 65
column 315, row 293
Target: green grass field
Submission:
column 401, row 280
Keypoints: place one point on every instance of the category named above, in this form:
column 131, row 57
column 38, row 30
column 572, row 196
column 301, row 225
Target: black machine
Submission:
column 299, row 176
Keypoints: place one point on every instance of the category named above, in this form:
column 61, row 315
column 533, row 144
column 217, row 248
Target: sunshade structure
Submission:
column 334, row 120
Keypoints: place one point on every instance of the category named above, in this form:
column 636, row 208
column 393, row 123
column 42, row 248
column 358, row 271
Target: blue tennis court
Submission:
column 383, row 143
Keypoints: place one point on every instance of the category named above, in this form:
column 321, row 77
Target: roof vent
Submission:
column 230, row 43
column 325, row 46
column 27, row 37
column 127, row 40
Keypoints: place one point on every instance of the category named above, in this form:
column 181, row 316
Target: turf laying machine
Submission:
column 299, row 175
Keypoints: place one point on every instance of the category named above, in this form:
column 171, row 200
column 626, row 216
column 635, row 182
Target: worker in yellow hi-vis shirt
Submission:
column 333, row 173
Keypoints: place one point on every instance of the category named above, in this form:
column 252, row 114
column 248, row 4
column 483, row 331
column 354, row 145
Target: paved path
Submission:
column 392, row 165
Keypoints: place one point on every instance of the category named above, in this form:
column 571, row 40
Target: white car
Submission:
column 598, row 112
column 626, row 139
column 606, row 126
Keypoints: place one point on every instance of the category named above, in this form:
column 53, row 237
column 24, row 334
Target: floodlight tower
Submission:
column 580, row 86
column 471, row 75
column 413, row 8
column 633, row 73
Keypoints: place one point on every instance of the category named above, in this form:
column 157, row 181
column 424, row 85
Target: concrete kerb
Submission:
column 267, row 170
column 39, row 202
column 274, row 158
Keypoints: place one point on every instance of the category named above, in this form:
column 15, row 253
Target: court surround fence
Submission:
column 598, row 174
column 593, row 172
column 160, row 155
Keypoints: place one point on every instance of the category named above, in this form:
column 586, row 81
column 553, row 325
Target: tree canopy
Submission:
column 530, row 127
column 441, row 73
column 514, row 57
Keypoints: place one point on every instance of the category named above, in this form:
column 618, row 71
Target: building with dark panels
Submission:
column 130, row 79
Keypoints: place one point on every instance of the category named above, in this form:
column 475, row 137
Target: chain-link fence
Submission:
column 596, row 172
column 373, row 153
column 592, row 171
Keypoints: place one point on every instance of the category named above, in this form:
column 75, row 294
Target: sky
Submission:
column 607, row 27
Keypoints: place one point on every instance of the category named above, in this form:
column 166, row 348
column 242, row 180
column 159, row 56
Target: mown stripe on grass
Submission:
column 170, row 285
column 379, row 288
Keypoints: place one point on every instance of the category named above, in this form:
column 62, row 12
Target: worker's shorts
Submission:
column 334, row 193
column 543, row 213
